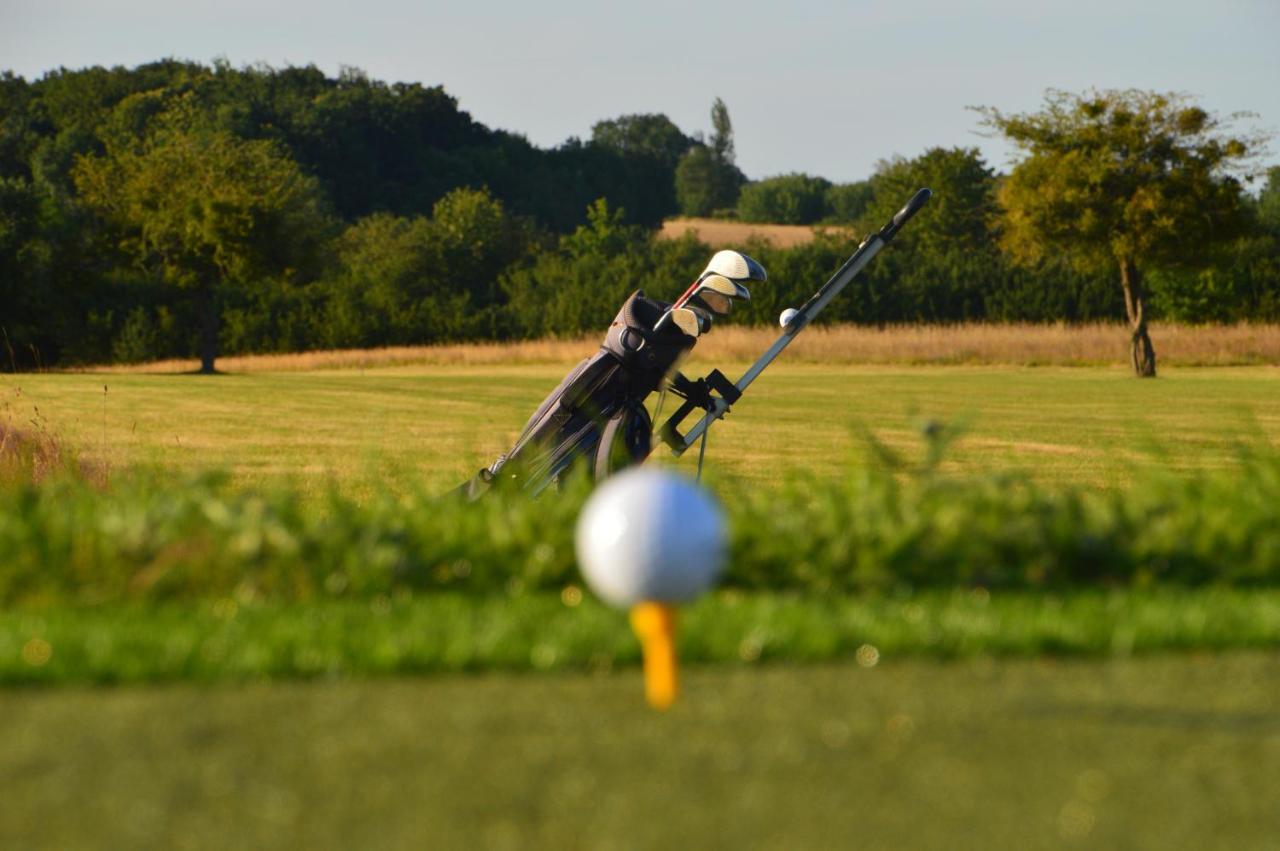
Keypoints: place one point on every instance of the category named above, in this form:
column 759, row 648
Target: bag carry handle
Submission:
column 698, row 394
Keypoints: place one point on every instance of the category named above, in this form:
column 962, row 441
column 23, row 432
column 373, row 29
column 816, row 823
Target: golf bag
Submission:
column 596, row 415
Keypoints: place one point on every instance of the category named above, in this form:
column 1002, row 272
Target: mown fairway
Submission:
column 385, row 428
column 889, row 750
column 1169, row 752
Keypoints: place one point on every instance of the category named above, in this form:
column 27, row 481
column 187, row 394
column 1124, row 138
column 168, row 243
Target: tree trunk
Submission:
column 208, row 329
column 1143, row 354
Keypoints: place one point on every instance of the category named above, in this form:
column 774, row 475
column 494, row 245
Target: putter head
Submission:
column 735, row 266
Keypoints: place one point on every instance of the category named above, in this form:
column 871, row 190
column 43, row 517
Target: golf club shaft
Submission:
column 678, row 303
column 869, row 248
column 819, row 300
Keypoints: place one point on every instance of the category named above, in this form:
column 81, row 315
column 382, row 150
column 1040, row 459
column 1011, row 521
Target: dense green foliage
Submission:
column 790, row 199
column 143, row 210
column 803, row 199
column 81, row 280
column 579, row 284
column 202, row 209
column 847, row 202
column 154, row 539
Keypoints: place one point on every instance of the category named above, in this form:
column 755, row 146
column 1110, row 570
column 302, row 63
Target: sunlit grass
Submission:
column 393, row 428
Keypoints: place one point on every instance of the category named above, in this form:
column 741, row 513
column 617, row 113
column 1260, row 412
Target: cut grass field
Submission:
column 806, row 721
column 392, row 427
column 1177, row 752
column 731, row 232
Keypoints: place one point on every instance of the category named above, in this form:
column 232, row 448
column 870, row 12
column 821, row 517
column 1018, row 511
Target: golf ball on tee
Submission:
column 787, row 316
column 649, row 534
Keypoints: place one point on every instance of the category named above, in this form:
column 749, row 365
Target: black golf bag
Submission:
column 597, row 413
column 596, row 416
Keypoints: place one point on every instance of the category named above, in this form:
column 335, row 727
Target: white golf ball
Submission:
column 649, row 534
column 787, row 316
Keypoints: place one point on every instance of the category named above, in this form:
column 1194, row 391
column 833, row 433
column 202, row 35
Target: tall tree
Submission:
column 721, row 133
column 1269, row 201
column 707, row 179
column 204, row 209
column 1131, row 179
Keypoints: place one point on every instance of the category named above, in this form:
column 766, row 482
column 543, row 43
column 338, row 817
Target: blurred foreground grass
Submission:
column 901, row 525
column 1171, row 752
column 450, row 633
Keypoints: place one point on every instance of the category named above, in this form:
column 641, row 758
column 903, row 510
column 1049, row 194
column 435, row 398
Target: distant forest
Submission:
column 179, row 209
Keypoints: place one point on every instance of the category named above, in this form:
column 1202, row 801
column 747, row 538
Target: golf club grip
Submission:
column 912, row 207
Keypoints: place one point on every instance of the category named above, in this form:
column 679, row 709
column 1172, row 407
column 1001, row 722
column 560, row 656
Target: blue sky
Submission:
column 823, row 87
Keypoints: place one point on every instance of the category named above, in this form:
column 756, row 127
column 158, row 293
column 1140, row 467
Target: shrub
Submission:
column 790, row 199
column 885, row 526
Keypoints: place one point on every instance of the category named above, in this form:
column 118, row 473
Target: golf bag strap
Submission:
column 697, row 394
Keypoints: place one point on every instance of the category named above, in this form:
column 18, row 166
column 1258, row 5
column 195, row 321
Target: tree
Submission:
column 791, row 199
column 722, row 133
column 1133, row 180
column 960, row 213
column 943, row 266
column 475, row 240
column 204, row 209
column 402, row 281
column 707, row 179
column 648, row 148
column 651, row 135
column 697, row 190
column 846, row 202
column 578, row 286
column 23, row 259
column 1269, row 202
column 1243, row 281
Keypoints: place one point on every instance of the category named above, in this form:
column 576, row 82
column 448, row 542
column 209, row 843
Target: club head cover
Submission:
column 687, row 321
column 735, row 266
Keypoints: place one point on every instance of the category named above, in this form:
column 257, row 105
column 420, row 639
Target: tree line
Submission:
column 177, row 210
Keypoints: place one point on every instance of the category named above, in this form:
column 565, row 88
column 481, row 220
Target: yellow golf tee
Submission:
column 655, row 626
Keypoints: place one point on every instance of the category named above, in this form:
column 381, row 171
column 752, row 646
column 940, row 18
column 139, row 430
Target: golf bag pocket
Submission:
column 647, row 354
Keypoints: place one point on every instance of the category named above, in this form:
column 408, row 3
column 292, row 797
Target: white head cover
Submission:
column 735, row 266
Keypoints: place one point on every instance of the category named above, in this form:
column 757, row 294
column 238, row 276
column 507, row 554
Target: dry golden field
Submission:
column 724, row 232
column 1094, row 344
